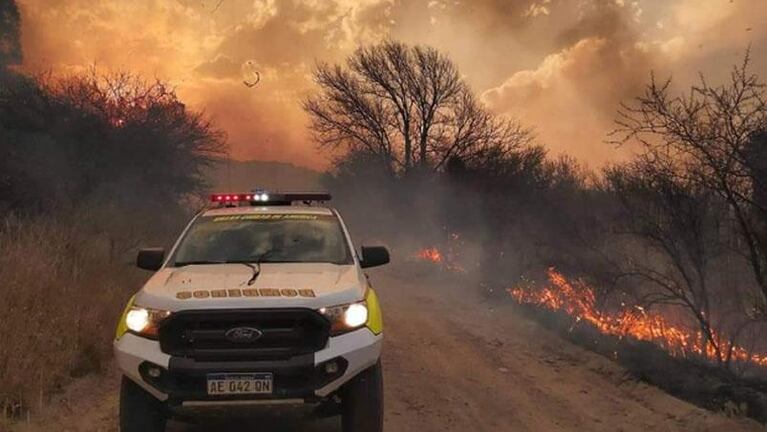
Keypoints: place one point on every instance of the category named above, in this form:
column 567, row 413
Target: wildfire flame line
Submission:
column 579, row 301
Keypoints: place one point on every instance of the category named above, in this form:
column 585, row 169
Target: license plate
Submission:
column 237, row 384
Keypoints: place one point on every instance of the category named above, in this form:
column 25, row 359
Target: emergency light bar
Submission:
column 269, row 198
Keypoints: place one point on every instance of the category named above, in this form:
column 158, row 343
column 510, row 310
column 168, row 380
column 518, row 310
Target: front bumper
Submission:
column 303, row 378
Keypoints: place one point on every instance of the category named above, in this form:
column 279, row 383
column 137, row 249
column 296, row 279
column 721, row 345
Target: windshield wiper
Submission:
column 256, row 266
column 253, row 264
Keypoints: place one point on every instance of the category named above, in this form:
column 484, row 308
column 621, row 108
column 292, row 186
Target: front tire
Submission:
column 362, row 400
column 139, row 410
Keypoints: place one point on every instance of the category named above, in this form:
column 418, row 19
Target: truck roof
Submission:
column 269, row 209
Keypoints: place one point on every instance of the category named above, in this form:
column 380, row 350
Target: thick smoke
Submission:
column 601, row 64
column 563, row 65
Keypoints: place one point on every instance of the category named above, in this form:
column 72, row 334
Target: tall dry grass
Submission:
column 61, row 293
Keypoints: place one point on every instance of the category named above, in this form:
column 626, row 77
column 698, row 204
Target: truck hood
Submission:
column 225, row 286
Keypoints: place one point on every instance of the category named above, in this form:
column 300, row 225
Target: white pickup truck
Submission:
column 262, row 303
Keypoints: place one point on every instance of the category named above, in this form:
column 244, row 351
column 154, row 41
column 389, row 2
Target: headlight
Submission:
column 346, row 318
column 145, row 322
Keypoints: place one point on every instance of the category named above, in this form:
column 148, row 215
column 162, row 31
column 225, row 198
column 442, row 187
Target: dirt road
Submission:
column 454, row 362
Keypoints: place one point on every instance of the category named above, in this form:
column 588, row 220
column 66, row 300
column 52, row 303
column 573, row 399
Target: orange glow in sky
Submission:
column 561, row 66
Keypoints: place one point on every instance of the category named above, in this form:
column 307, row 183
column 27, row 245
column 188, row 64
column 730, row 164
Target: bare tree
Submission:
column 715, row 136
column 407, row 106
column 673, row 227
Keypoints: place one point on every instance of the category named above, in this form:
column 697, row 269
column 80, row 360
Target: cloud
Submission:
column 573, row 95
column 562, row 65
column 604, row 57
column 220, row 67
column 299, row 32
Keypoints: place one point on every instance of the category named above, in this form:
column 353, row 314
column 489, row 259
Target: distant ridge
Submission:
column 246, row 175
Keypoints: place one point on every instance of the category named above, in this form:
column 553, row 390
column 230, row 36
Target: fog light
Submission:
column 154, row 372
column 331, row 368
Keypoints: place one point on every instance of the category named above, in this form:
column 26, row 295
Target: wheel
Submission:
column 362, row 400
column 139, row 410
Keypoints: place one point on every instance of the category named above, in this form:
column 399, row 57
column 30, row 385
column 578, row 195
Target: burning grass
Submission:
column 654, row 348
column 578, row 300
column 449, row 260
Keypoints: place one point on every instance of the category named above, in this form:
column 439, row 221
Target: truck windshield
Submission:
column 248, row 238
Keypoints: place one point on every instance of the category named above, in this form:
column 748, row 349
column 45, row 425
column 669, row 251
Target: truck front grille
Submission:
column 284, row 333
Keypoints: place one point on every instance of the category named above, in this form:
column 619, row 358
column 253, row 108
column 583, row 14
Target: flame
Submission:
column 579, row 301
column 430, row 254
column 446, row 260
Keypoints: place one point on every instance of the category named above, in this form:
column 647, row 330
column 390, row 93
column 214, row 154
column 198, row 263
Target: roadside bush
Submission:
column 91, row 168
column 66, row 140
column 61, row 296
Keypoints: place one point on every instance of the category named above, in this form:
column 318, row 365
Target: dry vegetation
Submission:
column 61, row 297
column 91, row 168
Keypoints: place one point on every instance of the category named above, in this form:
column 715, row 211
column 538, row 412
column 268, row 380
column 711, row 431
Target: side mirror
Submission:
column 150, row 259
column 374, row 256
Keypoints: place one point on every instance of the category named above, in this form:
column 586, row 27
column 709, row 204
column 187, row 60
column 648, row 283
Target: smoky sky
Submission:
column 10, row 44
column 561, row 66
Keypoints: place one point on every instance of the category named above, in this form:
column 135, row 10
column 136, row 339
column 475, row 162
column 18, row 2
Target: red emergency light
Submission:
column 269, row 198
column 231, row 198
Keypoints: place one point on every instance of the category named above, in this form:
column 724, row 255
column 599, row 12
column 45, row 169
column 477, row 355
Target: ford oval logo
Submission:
column 243, row 335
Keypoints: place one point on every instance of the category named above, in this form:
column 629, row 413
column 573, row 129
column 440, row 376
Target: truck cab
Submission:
column 263, row 302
